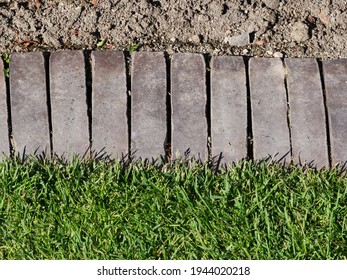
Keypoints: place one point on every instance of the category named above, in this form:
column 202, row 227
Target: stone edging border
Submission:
column 68, row 102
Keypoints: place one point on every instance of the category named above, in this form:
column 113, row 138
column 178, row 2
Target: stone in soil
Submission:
column 300, row 32
column 238, row 40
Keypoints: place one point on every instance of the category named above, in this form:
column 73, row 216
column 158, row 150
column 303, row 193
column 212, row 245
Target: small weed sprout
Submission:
column 6, row 59
column 101, row 43
column 133, row 47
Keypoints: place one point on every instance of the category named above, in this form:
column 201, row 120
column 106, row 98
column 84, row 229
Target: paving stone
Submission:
column 307, row 115
column 109, row 104
column 4, row 143
column 269, row 108
column 30, row 125
column 188, row 94
column 335, row 77
column 229, row 108
column 148, row 104
column 69, row 103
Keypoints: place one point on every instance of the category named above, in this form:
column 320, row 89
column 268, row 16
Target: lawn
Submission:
column 97, row 209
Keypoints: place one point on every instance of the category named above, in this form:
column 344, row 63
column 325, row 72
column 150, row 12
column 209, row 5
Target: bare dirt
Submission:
column 290, row 28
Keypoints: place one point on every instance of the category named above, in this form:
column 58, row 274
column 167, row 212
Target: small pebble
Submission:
column 238, row 40
column 195, row 39
column 300, row 32
column 278, row 54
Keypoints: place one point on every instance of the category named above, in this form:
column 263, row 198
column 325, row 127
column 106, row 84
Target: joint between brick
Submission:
column 168, row 138
column 127, row 60
column 285, row 82
column 207, row 59
column 89, row 89
column 321, row 74
column 46, row 57
column 249, row 140
column 11, row 142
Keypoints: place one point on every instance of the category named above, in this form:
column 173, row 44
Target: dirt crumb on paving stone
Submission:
column 258, row 28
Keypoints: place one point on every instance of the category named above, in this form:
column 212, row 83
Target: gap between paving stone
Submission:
column 89, row 85
column 46, row 56
column 207, row 59
column 5, row 113
column 285, row 83
column 127, row 62
column 250, row 150
column 327, row 123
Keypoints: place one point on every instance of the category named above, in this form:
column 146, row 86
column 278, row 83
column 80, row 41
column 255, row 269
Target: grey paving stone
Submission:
column 335, row 76
column 69, row 105
column 188, row 95
column 109, row 104
column 229, row 108
column 269, row 108
column 148, row 104
column 307, row 115
column 4, row 143
column 29, row 103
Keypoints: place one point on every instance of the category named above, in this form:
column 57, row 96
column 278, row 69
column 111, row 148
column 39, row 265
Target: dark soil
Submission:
column 292, row 28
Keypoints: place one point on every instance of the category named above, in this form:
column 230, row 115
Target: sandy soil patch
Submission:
column 291, row 28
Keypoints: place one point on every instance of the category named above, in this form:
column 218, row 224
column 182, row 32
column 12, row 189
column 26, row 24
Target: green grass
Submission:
column 99, row 210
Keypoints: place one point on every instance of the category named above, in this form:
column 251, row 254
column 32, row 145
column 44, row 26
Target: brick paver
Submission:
column 307, row 115
column 269, row 108
column 109, row 104
column 229, row 108
column 69, row 105
column 148, row 104
column 4, row 143
column 188, row 95
column 29, row 103
column 335, row 76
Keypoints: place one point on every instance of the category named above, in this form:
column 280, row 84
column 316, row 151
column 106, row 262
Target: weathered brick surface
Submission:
column 69, row 105
column 335, row 76
column 307, row 115
column 188, row 95
column 269, row 108
column 109, row 104
column 148, row 104
column 29, row 103
column 4, row 144
column 229, row 108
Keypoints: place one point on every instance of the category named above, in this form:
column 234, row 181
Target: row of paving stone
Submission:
column 281, row 104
